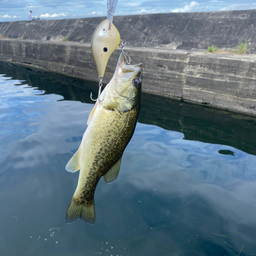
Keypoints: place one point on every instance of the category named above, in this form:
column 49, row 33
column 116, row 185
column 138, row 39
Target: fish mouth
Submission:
column 127, row 68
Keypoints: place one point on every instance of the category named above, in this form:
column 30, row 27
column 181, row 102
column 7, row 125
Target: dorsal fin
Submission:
column 112, row 174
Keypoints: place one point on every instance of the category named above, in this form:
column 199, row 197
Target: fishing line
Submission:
column 127, row 58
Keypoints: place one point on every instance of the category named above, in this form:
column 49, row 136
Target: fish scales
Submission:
column 108, row 135
column 110, row 127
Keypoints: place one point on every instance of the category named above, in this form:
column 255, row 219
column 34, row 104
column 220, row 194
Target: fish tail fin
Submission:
column 77, row 210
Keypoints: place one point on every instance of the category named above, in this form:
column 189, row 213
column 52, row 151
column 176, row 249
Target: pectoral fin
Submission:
column 111, row 106
column 73, row 164
column 112, row 174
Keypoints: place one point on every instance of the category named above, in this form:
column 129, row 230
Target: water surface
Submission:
column 187, row 182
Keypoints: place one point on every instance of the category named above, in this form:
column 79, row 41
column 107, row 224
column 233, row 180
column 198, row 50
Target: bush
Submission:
column 213, row 48
column 241, row 49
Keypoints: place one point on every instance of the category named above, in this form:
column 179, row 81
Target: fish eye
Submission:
column 104, row 29
column 105, row 49
column 136, row 82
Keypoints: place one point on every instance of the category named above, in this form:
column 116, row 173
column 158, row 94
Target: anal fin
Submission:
column 112, row 174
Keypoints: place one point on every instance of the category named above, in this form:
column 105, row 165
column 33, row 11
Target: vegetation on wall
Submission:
column 240, row 49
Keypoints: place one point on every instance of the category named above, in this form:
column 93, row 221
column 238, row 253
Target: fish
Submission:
column 111, row 125
column 105, row 40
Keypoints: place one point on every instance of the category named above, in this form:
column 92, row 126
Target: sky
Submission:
column 13, row 10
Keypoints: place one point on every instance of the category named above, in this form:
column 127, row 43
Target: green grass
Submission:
column 65, row 39
column 213, row 48
column 241, row 49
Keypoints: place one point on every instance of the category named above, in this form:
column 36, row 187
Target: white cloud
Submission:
column 33, row 7
column 59, row 15
column 6, row 16
column 187, row 8
column 237, row 7
column 47, row 15
column 97, row 13
column 143, row 11
column 132, row 4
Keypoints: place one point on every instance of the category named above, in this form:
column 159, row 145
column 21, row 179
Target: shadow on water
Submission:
column 196, row 122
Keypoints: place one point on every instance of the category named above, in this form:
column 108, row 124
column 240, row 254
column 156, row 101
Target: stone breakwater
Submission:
column 170, row 46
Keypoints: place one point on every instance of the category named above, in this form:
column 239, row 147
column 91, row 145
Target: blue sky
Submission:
column 12, row 10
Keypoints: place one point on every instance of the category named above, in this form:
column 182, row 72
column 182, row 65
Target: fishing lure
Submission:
column 105, row 40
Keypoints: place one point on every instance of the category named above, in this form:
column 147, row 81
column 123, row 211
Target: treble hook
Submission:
column 126, row 56
column 99, row 92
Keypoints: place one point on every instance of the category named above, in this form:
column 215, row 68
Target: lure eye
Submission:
column 136, row 82
column 105, row 49
column 104, row 29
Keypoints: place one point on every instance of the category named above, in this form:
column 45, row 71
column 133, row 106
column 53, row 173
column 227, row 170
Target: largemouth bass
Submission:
column 110, row 127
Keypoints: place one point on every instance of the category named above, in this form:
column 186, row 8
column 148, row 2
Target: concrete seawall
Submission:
column 170, row 46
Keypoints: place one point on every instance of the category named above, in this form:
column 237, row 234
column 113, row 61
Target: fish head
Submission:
column 124, row 90
column 105, row 40
column 128, row 78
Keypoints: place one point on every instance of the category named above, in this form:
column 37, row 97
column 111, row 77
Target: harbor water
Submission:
column 186, row 187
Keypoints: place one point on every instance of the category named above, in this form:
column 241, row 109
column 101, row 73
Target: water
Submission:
column 187, row 182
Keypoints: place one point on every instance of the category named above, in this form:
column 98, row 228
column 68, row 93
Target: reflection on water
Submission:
column 187, row 182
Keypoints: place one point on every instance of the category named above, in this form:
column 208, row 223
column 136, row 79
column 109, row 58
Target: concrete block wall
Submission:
column 163, row 43
column 185, row 31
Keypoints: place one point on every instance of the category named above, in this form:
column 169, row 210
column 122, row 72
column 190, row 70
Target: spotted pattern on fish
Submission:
column 111, row 126
column 104, row 158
